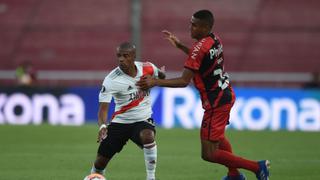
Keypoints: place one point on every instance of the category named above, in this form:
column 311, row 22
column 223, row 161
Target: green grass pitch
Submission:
column 66, row 153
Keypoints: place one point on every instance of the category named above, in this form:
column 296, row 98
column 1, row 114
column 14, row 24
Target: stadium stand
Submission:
column 280, row 36
column 277, row 36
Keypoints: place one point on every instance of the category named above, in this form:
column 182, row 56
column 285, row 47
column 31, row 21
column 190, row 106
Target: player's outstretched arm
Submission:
column 147, row 82
column 102, row 118
column 175, row 41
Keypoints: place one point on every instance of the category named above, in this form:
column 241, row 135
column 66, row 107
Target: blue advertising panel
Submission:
column 275, row 109
column 254, row 109
column 36, row 105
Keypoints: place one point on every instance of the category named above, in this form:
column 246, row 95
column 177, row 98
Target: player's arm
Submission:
column 102, row 120
column 105, row 97
column 148, row 82
column 175, row 41
column 181, row 81
column 103, row 113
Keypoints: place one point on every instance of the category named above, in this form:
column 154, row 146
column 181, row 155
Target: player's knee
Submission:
column 206, row 156
column 209, row 155
column 208, row 150
column 147, row 136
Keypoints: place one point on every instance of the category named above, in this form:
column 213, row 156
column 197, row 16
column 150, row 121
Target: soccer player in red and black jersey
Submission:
column 205, row 66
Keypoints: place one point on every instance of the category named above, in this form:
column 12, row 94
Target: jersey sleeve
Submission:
column 105, row 94
column 155, row 70
column 151, row 69
column 195, row 57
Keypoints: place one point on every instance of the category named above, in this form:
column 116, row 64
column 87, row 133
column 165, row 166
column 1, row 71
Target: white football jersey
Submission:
column 132, row 104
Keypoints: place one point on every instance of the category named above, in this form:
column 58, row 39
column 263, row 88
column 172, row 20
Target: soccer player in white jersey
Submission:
column 132, row 117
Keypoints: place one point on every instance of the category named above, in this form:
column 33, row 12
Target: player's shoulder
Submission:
column 209, row 40
column 144, row 63
column 206, row 43
column 115, row 73
column 138, row 63
column 109, row 80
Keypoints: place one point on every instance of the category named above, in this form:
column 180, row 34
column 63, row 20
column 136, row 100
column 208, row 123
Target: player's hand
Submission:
column 146, row 82
column 172, row 38
column 102, row 133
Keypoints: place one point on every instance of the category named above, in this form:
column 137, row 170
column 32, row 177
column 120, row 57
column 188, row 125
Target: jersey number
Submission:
column 223, row 81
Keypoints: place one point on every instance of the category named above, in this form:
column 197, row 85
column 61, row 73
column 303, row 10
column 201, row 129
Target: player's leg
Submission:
column 144, row 137
column 100, row 164
column 212, row 133
column 116, row 138
column 233, row 173
column 150, row 152
column 211, row 152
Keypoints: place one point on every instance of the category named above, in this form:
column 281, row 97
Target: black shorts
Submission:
column 118, row 134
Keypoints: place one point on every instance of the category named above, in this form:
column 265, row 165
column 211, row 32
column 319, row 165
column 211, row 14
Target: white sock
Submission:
column 95, row 170
column 150, row 157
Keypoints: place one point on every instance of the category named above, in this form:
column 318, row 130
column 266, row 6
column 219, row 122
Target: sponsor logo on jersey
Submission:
column 215, row 52
column 139, row 94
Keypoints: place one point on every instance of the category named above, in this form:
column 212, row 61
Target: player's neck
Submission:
column 132, row 71
column 203, row 36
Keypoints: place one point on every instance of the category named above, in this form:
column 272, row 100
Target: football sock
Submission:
column 95, row 170
column 232, row 161
column 150, row 157
column 226, row 146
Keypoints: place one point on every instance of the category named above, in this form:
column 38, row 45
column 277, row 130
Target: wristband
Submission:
column 102, row 126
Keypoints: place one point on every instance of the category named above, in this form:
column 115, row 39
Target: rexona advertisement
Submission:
column 41, row 105
column 254, row 109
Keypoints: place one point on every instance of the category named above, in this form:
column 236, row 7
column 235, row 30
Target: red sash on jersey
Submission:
column 125, row 108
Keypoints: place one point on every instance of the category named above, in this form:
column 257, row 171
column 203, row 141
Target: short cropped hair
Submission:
column 127, row 45
column 206, row 16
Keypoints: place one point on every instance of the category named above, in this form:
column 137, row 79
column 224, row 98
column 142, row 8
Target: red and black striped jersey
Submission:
column 207, row 62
